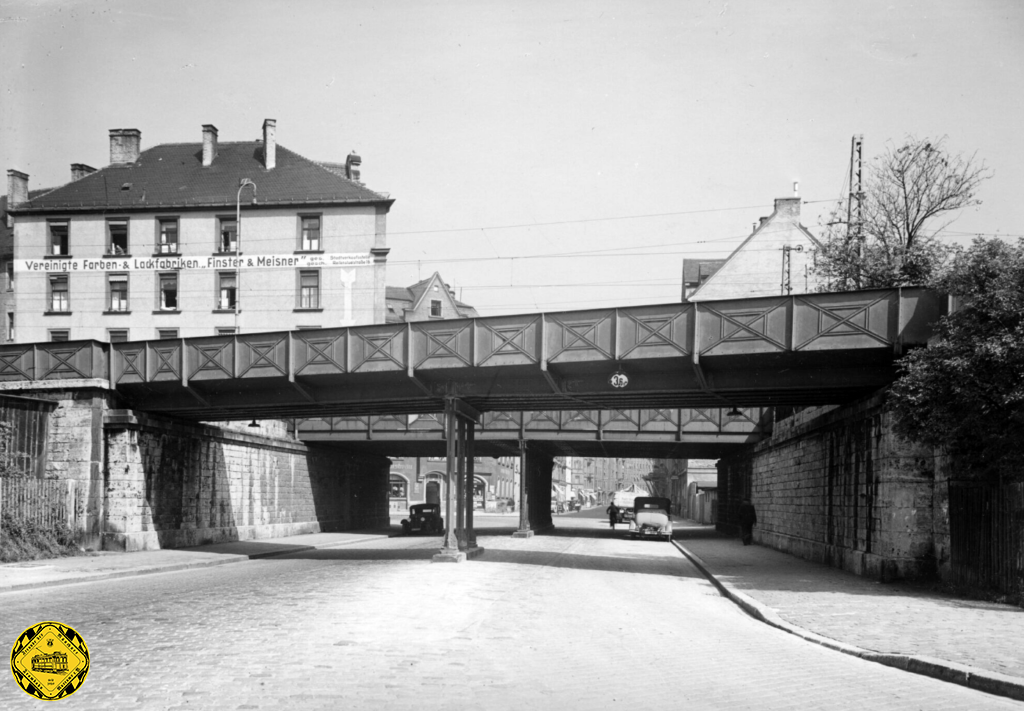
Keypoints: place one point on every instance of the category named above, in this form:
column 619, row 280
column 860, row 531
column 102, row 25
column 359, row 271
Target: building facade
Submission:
column 421, row 480
column 426, row 300
column 776, row 259
column 196, row 239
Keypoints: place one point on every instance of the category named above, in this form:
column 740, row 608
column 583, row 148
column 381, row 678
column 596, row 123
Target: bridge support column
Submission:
column 457, row 417
column 524, row 507
column 450, row 552
column 460, row 484
column 472, row 549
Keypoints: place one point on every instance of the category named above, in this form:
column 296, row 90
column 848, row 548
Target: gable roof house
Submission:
column 775, row 259
column 428, row 299
column 192, row 239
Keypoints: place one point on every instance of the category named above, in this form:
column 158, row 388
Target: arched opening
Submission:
column 398, row 493
column 434, row 488
column 479, row 494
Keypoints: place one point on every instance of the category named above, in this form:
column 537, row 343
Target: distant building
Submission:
column 425, row 300
column 775, row 259
column 696, row 272
column 151, row 246
column 419, row 480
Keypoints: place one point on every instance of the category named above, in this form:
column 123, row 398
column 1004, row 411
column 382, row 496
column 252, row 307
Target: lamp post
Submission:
column 242, row 185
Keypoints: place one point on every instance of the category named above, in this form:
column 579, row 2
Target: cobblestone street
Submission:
column 580, row 619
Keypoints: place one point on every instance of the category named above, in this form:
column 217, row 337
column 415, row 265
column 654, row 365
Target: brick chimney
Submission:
column 17, row 191
column 269, row 143
column 788, row 208
column 80, row 170
column 352, row 166
column 209, row 143
column 124, row 145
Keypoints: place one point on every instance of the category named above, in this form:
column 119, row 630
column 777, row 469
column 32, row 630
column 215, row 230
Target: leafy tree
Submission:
column 965, row 390
column 909, row 190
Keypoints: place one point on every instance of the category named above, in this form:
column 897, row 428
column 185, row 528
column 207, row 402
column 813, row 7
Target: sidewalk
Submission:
column 106, row 565
column 973, row 643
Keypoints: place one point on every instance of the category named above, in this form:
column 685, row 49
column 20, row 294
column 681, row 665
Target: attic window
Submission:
column 126, row 186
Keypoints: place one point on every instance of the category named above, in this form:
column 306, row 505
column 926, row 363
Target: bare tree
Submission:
column 910, row 196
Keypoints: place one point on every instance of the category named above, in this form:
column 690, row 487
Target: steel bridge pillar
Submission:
column 458, row 418
column 525, row 531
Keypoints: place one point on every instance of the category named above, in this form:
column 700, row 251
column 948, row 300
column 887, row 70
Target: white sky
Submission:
column 508, row 130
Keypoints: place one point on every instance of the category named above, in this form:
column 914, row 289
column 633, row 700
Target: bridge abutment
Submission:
column 136, row 481
column 836, row 485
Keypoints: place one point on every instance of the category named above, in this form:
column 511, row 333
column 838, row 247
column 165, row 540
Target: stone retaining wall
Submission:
column 837, row 486
column 144, row 482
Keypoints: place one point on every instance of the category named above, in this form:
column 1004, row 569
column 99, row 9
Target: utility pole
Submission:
column 854, row 205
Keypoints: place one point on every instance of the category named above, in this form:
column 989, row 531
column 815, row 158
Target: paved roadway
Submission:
column 582, row 619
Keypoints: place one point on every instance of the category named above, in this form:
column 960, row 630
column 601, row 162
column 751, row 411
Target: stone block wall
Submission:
column 171, row 484
column 837, row 486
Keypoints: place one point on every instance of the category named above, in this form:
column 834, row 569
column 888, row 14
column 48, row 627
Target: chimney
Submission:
column 17, row 188
column 124, row 145
column 80, row 170
column 352, row 164
column 270, row 143
column 17, row 192
column 209, row 143
column 788, row 207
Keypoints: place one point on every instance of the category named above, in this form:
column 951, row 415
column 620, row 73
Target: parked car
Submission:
column 423, row 518
column 651, row 517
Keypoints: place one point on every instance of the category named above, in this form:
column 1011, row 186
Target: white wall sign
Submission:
column 131, row 264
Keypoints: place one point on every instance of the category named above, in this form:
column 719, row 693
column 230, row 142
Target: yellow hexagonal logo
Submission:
column 50, row 661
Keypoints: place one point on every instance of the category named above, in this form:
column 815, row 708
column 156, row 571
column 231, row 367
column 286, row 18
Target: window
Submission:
column 117, row 335
column 227, row 289
column 59, row 335
column 117, row 237
column 310, row 240
column 10, row 276
column 169, row 292
column 307, row 328
column 58, row 238
column 10, row 326
column 117, row 289
column 167, row 238
column 398, row 486
column 225, row 330
column 435, row 307
column 165, row 333
column 309, row 289
column 59, row 299
column 228, row 241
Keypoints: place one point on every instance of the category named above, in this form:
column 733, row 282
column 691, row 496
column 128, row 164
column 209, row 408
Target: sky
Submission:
column 543, row 155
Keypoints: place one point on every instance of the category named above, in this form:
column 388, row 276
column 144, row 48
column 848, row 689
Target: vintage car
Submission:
column 651, row 517
column 423, row 518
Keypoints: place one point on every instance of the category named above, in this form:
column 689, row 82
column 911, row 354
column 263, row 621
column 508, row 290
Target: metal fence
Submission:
column 44, row 502
column 986, row 528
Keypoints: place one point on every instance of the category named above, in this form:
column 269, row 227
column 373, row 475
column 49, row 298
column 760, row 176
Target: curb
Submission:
column 971, row 677
column 152, row 570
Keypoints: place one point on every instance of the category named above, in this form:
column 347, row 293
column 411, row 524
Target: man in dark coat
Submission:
column 748, row 517
column 613, row 514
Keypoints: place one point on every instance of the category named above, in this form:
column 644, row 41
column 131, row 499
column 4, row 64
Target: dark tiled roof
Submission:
column 172, row 175
column 696, row 270
column 398, row 293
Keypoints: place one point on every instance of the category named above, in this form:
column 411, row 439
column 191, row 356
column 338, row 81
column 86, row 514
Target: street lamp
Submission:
column 242, row 185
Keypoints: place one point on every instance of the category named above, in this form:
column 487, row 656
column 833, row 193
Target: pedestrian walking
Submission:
column 748, row 517
column 613, row 514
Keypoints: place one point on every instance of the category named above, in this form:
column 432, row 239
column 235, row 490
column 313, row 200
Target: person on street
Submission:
column 748, row 517
column 613, row 514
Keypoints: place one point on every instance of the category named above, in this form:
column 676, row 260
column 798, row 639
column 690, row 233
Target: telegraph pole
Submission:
column 854, row 205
